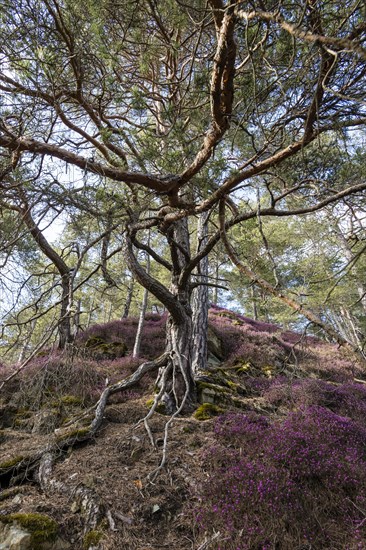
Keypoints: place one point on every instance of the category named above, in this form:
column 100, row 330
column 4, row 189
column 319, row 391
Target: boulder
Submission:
column 14, row 538
column 31, row 531
column 214, row 344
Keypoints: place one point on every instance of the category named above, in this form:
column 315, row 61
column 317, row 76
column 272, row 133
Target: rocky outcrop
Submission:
column 30, row 532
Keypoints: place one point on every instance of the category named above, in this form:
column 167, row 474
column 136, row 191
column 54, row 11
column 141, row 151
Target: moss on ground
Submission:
column 207, row 411
column 78, row 433
column 92, row 538
column 160, row 406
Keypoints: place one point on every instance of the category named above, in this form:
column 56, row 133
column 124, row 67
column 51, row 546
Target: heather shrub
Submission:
column 49, row 378
column 290, row 485
column 124, row 331
column 329, row 362
column 347, row 399
column 260, row 343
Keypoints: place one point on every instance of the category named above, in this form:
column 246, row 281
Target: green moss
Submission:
column 79, row 433
column 41, row 527
column 92, row 539
column 19, row 422
column 11, row 462
column 207, row 411
column 160, row 407
column 24, row 411
column 71, row 400
column 232, row 385
column 94, row 341
column 21, row 417
column 242, row 368
column 188, row 429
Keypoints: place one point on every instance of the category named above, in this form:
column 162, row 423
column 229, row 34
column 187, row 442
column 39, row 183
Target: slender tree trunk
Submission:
column 90, row 313
column 138, row 338
column 140, row 326
column 215, row 297
column 67, row 276
column 353, row 332
column 254, row 302
column 64, row 327
column 129, row 296
column 76, row 319
column 200, row 303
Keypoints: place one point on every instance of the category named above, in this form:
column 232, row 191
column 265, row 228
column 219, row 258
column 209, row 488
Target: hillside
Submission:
column 273, row 458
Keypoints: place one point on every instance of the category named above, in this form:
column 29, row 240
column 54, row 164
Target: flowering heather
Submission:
column 329, row 362
column 124, row 330
column 296, row 484
column 347, row 399
column 247, row 340
column 263, row 344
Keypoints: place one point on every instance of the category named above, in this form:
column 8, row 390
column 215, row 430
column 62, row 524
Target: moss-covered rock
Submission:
column 41, row 528
column 101, row 349
column 214, row 343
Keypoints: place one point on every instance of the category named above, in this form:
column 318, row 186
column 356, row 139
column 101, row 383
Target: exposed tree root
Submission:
column 85, row 500
column 38, row 467
column 124, row 385
column 80, row 429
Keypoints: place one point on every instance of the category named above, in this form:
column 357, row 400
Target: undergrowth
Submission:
column 290, row 484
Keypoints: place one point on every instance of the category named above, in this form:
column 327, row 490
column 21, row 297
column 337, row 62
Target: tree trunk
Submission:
column 67, row 276
column 200, row 303
column 254, row 302
column 126, row 310
column 180, row 388
column 64, row 327
column 76, row 320
column 138, row 338
column 175, row 379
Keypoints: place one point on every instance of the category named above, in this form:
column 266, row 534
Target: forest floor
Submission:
column 116, row 465
column 255, row 368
